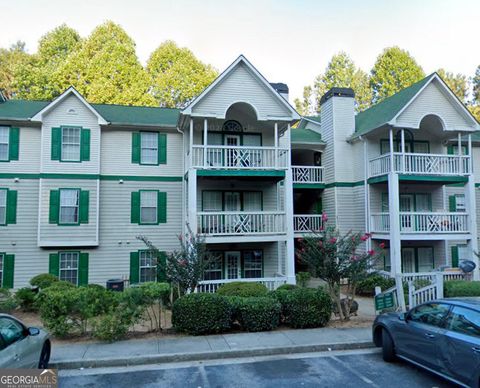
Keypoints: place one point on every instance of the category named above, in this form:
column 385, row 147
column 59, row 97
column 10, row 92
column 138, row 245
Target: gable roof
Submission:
column 241, row 59
column 304, row 135
column 305, row 119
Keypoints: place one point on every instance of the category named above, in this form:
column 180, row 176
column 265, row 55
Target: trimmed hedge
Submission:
column 7, row 301
column 243, row 289
column 25, row 297
column 44, row 280
column 455, row 288
column 305, row 307
column 287, row 287
column 367, row 286
column 201, row 314
column 259, row 313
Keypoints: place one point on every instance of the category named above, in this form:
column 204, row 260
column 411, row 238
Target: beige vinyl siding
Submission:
column 328, row 155
column 116, row 151
column 241, row 85
column 60, row 116
column 433, row 100
column 329, row 204
column 350, row 212
column 28, row 153
column 83, row 234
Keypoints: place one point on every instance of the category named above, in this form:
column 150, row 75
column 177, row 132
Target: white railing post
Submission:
column 439, row 284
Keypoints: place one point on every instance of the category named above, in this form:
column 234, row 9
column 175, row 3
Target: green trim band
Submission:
column 420, row 178
column 309, row 185
column 92, row 177
column 344, row 184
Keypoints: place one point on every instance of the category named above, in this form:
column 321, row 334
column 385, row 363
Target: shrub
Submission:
column 109, row 327
column 287, row 287
column 303, row 278
column 281, row 296
column 367, row 286
column 43, row 280
column 25, row 298
column 456, row 288
column 7, row 301
column 61, row 285
column 155, row 297
column 201, row 314
column 244, row 289
column 305, row 307
column 259, row 313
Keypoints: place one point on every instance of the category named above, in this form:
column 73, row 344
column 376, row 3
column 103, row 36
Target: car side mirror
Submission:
column 33, row 331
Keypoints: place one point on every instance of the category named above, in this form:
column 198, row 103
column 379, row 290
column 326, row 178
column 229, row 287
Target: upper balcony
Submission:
column 307, row 174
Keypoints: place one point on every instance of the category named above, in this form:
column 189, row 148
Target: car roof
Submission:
column 472, row 302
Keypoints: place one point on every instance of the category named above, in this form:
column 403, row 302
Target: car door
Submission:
column 460, row 352
column 16, row 352
column 418, row 338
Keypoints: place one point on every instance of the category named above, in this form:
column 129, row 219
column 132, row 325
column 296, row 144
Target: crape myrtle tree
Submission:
column 334, row 257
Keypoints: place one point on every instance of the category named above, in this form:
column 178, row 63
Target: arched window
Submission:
column 232, row 126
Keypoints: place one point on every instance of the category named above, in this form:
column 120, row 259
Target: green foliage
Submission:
column 303, row 278
column 201, row 314
column 61, row 285
column 459, row 83
column 25, row 298
column 243, row 289
column 44, row 280
column 177, row 76
column 304, row 106
column 394, row 70
column 288, row 287
column 110, row 327
column 305, row 307
column 259, row 313
column 457, row 288
column 367, row 286
column 10, row 60
column 476, row 86
column 155, row 297
column 7, row 301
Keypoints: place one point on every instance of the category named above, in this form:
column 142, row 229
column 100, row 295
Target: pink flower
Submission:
column 183, row 263
column 333, row 240
column 371, row 252
column 354, row 258
column 324, row 217
column 364, row 238
column 382, row 245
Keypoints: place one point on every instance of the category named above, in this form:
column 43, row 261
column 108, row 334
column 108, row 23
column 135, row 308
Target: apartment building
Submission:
column 79, row 182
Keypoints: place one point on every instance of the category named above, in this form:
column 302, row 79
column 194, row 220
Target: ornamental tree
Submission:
column 334, row 258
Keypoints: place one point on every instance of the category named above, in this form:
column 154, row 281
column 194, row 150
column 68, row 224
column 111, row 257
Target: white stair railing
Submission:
column 307, row 174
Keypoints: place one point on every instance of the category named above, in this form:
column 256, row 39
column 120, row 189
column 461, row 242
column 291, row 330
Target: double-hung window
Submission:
column 4, row 143
column 252, row 264
column 3, row 207
column 69, row 206
column 68, row 270
column 71, row 144
column 215, row 268
column 149, row 148
column 148, row 207
column 148, row 267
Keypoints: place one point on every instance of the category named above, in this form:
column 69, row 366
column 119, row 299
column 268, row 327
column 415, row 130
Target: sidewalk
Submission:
column 150, row 351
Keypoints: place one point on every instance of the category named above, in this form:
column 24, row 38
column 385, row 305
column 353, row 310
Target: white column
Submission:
column 190, row 149
column 290, row 251
column 472, row 212
column 275, row 135
column 367, row 193
column 403, row 150
column 205, row 141
column 459, row 143
column 192, row 199
column 392, row 157
column 394, row 211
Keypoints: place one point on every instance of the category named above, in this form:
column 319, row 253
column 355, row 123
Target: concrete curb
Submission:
column 213, row 355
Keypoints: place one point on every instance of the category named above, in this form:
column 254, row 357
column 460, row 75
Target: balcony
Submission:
column 307, row 174
column 421, row 164
column 239, row 157
column 241, row 223
column 307, row 223
column 423, row 223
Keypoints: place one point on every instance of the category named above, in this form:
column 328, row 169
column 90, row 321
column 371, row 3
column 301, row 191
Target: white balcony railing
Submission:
column 212, row 285
column 307, row 223
column 240, row 223
column 423, row 222
column 307, row 174
column 424, row 164
column 244, row 158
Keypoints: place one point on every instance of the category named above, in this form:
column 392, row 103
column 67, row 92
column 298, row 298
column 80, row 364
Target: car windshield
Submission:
column 432, row 314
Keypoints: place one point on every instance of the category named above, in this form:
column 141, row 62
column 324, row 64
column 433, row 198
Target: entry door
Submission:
column 406, row 205
column 232, row 265
column 232, row 155
column 232, row 204
column 408, row 260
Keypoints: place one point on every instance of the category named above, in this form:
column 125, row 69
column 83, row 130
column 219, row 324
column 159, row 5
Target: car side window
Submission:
column 432, row 314
column 465, row 321
column 11, row 331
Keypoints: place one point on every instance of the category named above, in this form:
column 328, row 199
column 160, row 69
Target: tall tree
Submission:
column 304, row 106
column 10, row 60
column 476, row 86
column 36, row 78
column 177, row 76
column 459, row 83
column 105, row 69
column 394, row 70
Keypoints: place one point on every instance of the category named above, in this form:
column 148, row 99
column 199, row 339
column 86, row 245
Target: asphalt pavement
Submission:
column 359, row 368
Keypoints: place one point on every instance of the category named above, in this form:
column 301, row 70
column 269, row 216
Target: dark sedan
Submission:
column 442, row 336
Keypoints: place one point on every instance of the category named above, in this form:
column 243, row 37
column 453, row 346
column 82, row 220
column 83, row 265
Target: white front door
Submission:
column 232, row 154
column 232, row 265
column 408, row 260
column 406, row 205
column 232, row 204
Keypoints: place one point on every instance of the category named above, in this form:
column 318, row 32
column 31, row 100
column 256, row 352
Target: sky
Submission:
column 286, row 40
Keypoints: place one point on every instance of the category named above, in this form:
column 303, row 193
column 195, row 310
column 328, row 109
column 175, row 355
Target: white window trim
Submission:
column 2, row 263
column 7, row 143
column 60, row 254
column 151, row 148
column 4, row 206
column 75, row 222
column 142, row 222
column 253, row 268
column 62, row 158
column 216, row 266
column 146, row 267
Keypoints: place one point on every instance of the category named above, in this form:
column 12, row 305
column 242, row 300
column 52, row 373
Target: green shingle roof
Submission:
column 115, row 114
column 304, row 135
column 383, row 112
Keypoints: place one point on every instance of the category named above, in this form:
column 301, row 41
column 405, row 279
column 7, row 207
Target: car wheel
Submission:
column 388, row 347
column 44, row 356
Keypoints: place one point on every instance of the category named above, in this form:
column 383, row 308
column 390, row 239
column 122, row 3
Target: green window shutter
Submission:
column 135, row 207
column 56, row 146
column 83, row 269
column 162, row 148
column 162, row 207
column 134, row 268
column 85, row 145
column 8, row 271
column 13, row 141
column 84, row 201
column 11, row 207
column 54, row 210
column 136, row 147
column 162, row 267
column 454, row 256
column 452, row 203
column 450, row 149
column 318, row 206
column 54, row 264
